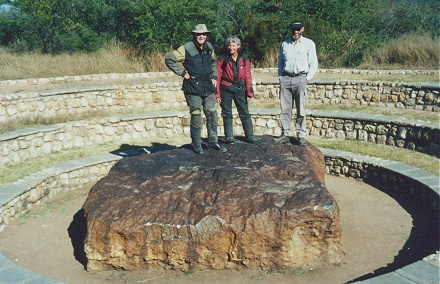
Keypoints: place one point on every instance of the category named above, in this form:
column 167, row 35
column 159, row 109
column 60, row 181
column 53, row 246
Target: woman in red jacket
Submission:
column 235, row 84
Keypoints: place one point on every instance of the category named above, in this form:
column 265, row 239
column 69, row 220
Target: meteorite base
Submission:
column 259, row 206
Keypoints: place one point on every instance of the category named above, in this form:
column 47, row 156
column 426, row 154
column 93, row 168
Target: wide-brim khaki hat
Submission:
column 200, row 29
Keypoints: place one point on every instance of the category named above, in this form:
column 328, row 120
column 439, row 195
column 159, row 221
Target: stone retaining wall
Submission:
column 21, row 196
column 17, row 198
column 24, row 144
column 380, row 129
column 417, row 185
column 167, row 95
column 418, row 96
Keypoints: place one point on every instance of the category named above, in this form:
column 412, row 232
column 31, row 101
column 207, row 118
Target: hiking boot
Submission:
column 198, row 149
column 301, row 142
column 217, row 147
column 252, row 140
column 282, row 139
column 196, row 140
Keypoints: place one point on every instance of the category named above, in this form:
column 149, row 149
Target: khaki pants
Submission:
column 196, row 104
column 293, row 90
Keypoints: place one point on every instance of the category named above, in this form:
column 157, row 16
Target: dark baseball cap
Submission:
column 296, row 25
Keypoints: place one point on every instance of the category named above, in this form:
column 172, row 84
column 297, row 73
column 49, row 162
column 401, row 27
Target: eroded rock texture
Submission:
column 256, row 206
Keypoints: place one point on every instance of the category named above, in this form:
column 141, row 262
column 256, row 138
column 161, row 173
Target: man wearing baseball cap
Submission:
column 297, row 64
column 195, row 61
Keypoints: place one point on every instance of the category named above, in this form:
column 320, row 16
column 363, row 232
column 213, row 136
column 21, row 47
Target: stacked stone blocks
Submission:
column 24, row 144
column 167, row 95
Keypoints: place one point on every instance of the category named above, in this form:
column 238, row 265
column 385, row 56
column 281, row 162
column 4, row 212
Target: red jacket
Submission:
column 226, row 73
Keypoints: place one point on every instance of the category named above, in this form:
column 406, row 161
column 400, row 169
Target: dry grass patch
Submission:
column 407, row 52
column 40, row 119
column 113, row 59
column 415, row 50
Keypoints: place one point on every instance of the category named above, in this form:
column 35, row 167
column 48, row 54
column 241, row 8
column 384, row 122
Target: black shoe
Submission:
column 282, row 139
column 301, row 142
column 217, row 147
column 230, row 141
column 252, row 140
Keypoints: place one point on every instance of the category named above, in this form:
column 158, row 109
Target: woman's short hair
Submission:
column 233, row 39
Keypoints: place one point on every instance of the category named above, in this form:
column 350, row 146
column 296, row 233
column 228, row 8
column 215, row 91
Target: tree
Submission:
column 165, row 25
column 40, row 20
column 343, row 30
column 405, row 16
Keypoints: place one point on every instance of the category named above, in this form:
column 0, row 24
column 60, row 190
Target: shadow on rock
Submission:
column 126, row 150
column 78, row 227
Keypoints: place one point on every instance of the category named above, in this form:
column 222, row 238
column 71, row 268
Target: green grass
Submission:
column 43, row 210
column 47, row 209
column 420, row 160
column 297, row 271
column 408, row 78
column 407, row 113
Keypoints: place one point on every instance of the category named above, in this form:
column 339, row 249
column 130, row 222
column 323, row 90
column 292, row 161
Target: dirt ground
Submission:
column 375, row 228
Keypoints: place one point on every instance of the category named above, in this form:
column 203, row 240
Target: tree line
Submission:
column 343, row 30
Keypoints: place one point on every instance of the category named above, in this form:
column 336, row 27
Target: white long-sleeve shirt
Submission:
column 297, row 58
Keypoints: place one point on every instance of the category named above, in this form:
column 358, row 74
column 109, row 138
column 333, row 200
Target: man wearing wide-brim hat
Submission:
column 195, row 61
column 200, row 29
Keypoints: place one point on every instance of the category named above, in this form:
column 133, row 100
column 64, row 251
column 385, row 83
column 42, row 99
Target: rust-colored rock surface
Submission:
column 257, row 206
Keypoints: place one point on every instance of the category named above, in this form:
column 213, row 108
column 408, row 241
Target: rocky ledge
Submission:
column 259, row 206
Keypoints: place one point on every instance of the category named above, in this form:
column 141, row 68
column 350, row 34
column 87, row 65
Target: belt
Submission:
column 238, row 83
column 294, row 74
column 232, row 82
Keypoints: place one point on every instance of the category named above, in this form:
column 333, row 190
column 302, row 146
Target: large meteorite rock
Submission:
column 256, row 206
